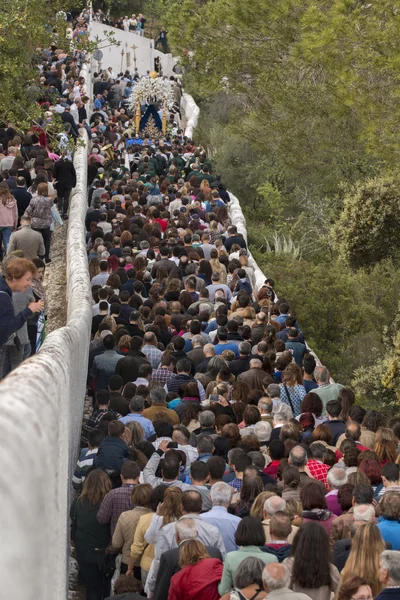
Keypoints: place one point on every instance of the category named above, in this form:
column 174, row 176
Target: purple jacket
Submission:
column 333, row 504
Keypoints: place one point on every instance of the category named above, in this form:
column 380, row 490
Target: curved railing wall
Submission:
column 41, row 406
column 191, row 112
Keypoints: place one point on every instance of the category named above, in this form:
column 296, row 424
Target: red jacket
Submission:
column 199, row 581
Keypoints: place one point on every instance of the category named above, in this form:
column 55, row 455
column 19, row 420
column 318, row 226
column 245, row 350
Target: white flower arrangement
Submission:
column 151, row 90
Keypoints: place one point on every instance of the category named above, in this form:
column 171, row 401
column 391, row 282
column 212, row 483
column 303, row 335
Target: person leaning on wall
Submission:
column 17, row 277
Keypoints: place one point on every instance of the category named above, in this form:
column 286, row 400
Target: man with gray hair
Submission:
column 298, row 458
column 262, row 430
column 273, row 391
column 280, row 419
column 159, row 407
column 136, row 407
column 254, row 376
column 207, row 423
column 185, row 530
column 205, row 447
column 325, row 390
column 276, row 581
column 196, row 355
column 273, row 505
column 336, row 478
column 209, row 353
column 221, row 495
column 265, row 406
column 364, row 513
column 389, row 575
column 29, row 241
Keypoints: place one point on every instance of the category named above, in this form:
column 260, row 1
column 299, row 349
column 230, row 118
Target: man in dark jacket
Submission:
column 169, row 562
column 113, row 451
column 66, row 117
column 128, row 366
column 389, row 575
column 293, row 344
column 117, row 400
column 280, row 528
column 336, row 425
column 65, row 175
column 241, row 364
column 22, row 196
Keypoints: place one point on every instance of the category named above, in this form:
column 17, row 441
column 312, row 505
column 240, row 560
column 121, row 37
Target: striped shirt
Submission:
column 82, row 466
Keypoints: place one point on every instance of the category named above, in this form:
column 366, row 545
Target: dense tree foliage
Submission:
column 367, row 230
column 299, row 109
column 25, row 27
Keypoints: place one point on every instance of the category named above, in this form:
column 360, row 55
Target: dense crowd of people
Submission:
column 36, row 179
column 219, row 460
column 133, row 23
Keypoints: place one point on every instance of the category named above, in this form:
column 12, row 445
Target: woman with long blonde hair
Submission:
column 363, row 561
column 141, row 551
column 168, row 510
column 386, row 445
column 137, row 433
column 94, row 267
column 217, row 266
column 111, row 323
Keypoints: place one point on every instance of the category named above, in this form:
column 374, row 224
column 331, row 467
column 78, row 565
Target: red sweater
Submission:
column 199, row 581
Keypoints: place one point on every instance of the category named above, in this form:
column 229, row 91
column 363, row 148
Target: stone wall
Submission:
column 41, row 406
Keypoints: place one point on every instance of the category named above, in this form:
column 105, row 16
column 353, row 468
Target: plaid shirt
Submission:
column 153, row 355
column 114, row 504
column 92, row 422
column 162, row 375
column 236, row 483
column 319, row 471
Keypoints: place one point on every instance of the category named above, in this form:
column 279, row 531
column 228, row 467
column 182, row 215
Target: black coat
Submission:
column 128, row 367
column 23, row 198
column 169, row 565
column 239, row 365
column 66, row 117
column 65, row 174
column 112, row 453
column 119, row 403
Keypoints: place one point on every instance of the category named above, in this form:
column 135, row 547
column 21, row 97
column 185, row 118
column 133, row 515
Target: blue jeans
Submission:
column 6, row 233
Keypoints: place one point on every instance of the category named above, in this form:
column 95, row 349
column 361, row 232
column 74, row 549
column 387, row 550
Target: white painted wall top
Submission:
column 145, row 52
